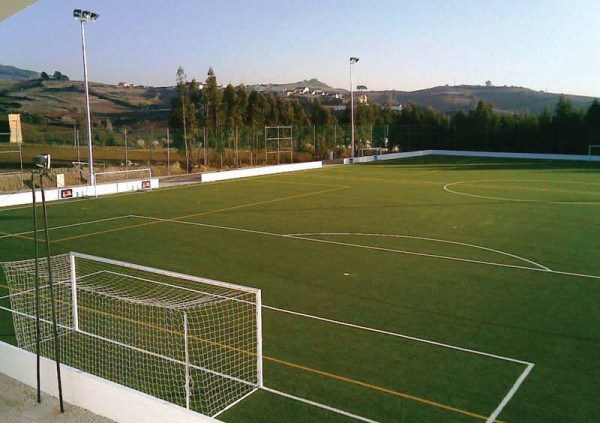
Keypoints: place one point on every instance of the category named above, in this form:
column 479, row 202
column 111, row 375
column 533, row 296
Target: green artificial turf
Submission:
column 529, row 215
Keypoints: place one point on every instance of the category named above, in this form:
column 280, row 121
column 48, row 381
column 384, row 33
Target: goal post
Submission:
column 191, row 341
column 370, row 151
column 593, row 148
column 121, row 177
column 279, row 140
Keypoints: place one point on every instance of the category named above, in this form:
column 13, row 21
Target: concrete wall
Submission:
column 529, row 156
column 391, row 156
column 257, row 171
column 54, row 194
column 100, row 396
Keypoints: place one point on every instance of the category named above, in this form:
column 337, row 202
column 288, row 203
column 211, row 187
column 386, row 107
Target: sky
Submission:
column 403, row 45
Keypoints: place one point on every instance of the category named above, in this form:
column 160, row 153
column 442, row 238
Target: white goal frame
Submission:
column 122, row 172
column 281, row 137
column 592, row 147
column 377, row 150
column 72, row 323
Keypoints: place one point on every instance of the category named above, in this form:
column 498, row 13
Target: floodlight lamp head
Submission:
column 85, row 15
column 353, row 60
column 42, row 161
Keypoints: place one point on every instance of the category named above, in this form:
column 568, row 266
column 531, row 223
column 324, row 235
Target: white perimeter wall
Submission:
column 257, row 171
column 100, row 396
column 531, row 156
column 53, row 194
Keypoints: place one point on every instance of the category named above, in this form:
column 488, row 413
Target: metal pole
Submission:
column 21, row 160
column 237, row 148
column 126, row 150
column 37, row 289
column 188, row 391
column 352, row 108
column 52, row 304
column 168, row 152
column 91, row 180
column 187, row 155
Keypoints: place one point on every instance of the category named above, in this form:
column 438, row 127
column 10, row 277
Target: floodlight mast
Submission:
column 353, row 60
column 84, row 16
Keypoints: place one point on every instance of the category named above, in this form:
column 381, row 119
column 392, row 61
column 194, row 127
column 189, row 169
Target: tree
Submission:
column 45, row 75
column 59, row 76
column 592, row 117
column 241, row 94
column 213, row 99
column 257, row 109
column 321, row 115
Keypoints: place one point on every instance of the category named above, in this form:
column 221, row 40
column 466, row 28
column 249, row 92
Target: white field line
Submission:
column 234, row 403
column 319, row 405
column 68, row 226
column 510, row 394
column 425, row 239
column 323, row 241
column 251, row 231
column 173, row 186
column 517, row 200
column 398, row 335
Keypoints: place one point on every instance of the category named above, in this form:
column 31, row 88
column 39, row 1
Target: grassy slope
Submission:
column 549, row 319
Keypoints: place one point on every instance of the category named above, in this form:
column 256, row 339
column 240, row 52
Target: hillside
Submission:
column 465, row 97
column 64, row 101
column 11, row 73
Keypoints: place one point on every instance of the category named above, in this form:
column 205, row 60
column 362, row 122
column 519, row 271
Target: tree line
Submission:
column 565, row 129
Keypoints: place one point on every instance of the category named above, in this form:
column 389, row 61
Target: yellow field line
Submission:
column 379, row 388
column 276, row 360
column 200, row 214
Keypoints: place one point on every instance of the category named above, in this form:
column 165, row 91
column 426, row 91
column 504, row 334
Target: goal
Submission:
column 369, row 151
column 279, row 140
column 593, row 150
column 191, row 341
column 124, row 180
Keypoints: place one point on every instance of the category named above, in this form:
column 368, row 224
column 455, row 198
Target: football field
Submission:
column 433, row 289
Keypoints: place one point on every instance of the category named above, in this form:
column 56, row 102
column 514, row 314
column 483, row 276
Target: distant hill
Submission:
column 11, row 73
column 64, row 101
column 465, row 97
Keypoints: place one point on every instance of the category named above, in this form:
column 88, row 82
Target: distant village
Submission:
column 301, row 91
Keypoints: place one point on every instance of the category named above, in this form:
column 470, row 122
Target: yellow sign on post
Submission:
column 16, row 135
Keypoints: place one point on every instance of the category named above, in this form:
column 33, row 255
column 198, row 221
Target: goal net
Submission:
column 191, row 341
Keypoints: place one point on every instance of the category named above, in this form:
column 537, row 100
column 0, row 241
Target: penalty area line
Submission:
column 510, row 394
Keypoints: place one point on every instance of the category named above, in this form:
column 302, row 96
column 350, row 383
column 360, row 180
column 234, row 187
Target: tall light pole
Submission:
column 84, row 16
column 353, row 60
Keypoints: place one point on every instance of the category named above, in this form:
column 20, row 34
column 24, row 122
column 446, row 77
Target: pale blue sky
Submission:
column 404, row 45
